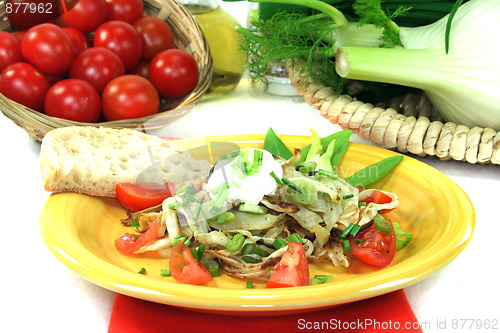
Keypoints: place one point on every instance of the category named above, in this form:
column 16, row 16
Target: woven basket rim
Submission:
column 192, row 40
column 419, row 132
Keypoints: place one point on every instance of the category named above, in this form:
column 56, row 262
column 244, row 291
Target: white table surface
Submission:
column 40, row 293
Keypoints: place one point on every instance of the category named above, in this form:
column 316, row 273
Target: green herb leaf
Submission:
column 275, row 146
column 375, row 172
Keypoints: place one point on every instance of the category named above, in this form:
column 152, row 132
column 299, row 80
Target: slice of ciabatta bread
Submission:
column 92, row 160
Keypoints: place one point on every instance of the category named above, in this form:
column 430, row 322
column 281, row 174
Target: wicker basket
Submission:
column 409, row 124
column 188, row 36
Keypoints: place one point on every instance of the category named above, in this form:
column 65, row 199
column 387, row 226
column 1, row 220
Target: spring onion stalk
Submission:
column 462, row 84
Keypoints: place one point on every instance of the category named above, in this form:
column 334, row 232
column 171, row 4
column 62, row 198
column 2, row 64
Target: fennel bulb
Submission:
column 463, row 84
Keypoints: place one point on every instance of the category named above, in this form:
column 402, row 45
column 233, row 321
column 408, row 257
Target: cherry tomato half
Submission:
column 129, row 96
column 129, row 243
column 73, row 99
column 174, row 73
column 98, row 66
column 156, row 36
column 121, row 38
column 292, row 270
column 185, row 268
column 49, row 48
column 137, row 197
column 378, row 197
column 25, row 84
column 374, row 247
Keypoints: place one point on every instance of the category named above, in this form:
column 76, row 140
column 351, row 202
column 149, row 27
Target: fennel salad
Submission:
column 267, row 214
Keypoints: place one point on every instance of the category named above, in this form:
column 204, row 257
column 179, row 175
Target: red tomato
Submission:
column 121, row 38
column 379, row 197
column 24, row 14
column 80, row 41
column 174, row 73
column 141, row 196
column 184, row 267
column 49, row 48
column 129, row 243
column 98, row 66
column 84, row 15
column 20, row 34
column 141, row 69
column 125, row 10
column 156, row 36
column 73, row 99
column 24, row 84
column 374, row 248
column 292, row 270
column 129, row 96
column 10, row 49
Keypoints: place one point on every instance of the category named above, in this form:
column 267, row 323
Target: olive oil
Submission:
column 219, row 28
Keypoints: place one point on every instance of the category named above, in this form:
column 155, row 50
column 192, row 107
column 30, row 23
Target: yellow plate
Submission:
column 80, row 231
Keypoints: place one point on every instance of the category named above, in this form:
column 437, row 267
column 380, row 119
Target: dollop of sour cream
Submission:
column 249, row 189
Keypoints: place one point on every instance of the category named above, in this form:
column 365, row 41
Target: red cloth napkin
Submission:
column 386, row 313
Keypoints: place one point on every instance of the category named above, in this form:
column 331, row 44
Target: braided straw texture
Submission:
column 408, row 124
column 188, row 36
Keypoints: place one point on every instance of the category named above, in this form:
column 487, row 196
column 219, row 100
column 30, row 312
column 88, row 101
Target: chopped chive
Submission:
column 235, row 183
column 142, row 271
column 187, row 242
column 229, row 156
column 382, row 224
column 294, row 238
column 211, row 265
column 172, row 206
column 361, row 204
column 276, row 178
column 251, row 259
column 197, row 212
column 347, row 230
column 165, row 272
column 249, row 285
column 358, row 241
column 235, row 244
column 257, row 157
column 220, row 199
column 182, row 189
column 178, row 238
column 248, row 248
column 279, row 243
column 348, row 196
column 347, row 246
column 321, row 279
column 134, row 237
column 135, row 224
column 328, row 174
column 291, row 185
column 219, row 187
column 354, row 231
